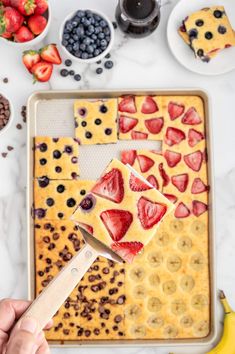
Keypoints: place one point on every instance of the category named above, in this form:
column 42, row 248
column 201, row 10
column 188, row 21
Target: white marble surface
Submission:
column 145, row 63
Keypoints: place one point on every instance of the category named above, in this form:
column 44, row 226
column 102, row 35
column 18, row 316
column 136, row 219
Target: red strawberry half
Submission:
column 172, row 158
column 42, row 71
column 127, row 250
column 180, row 182
column 194, row 137
column 117, row 222
column 37, row 24
column 175, row 110
column 127, row 104
column 149, row 106
column 153, row 181
column 110, row 186
column 86, row 227
column 41, row 7
column 137, row 185
column 191, row 117
column 194, row 160
column 154, row 125
column 165, row 177
column 174, row 136
column 128, row 157
column 199, row 208
column 198, row 186
column 182, row 211
column 126, row 124
column 51, row 54
column 10, row 20
column 30, row 58
column 150, row 213
column 145, row 163
column 172, row 198
column 138, row 135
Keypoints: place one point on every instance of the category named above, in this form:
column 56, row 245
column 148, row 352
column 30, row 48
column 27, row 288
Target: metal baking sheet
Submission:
column 50, row 113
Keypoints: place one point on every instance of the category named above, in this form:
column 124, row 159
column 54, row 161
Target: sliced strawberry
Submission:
column 194, row 160
column 51, row 54
column 194, row 137
column 86, row 227
column 150, row 213
column 157, row 152
column 110, row 186
column 127, row 104
column 137, row 185
column 174, row 136
column 172, row 158
column 182, row 211
column 128, row 157
column 198, row 186
column 153, row 181
column 42, row 71
column 145, row 163
column 149, row 106
column 117, row 222
column 127, row 123
column 180, row 182
column 154, row 125
column 30, row 58
column 175, row 110
column 127, row 250
column 199, row 208
column 165, row 177
column 191, row 117
column 138, row 135
column 172, row 198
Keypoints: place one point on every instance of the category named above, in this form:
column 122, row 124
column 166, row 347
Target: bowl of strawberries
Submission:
column 24, row 22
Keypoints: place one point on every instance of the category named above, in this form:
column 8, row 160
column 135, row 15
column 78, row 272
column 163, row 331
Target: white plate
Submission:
column 223, row 62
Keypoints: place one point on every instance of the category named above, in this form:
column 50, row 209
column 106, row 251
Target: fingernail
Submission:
column 28, row 325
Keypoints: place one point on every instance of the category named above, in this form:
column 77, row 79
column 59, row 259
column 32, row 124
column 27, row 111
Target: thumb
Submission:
column 23, row 337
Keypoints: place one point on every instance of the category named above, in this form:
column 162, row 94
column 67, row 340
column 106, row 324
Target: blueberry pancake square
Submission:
column 96, row 121
column 58, row 199
column 56, row 158
column 209, row 31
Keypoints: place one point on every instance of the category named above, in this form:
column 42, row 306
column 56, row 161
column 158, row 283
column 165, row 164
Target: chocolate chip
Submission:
column 120, row 283
column 5, row 80
column 40, row 273
column 121, row 299
column 96, row 331
column 115, row 328
column 51, row 246
column 67, row 256
column 48, row 260
column 66, row 331
column 66, row 315
column 98, row 121
column 19, row 126
column 118, row 318
column 199, row 23
column 43, row 182
column 105, row 270
column 91, row 278
column 108, row 131
column 10, row 148
column 208, row 35
column 60, row 188
column 71, row 202
column 46, row 239
column 84, row 124
column 43, row 147
column 103, row 109
column 57, row 154
column 4, row 154
column 80, row 332
column 218, row 13
column 88, row 135
column 56, row 236
column 67, row 305
column 200, row 52
column 222, row 29
column 58, row 169
column 50, row 202
column 87, row 333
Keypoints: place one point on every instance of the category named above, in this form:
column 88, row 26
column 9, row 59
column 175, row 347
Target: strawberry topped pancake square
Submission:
column 121, row 217
column 140, row 118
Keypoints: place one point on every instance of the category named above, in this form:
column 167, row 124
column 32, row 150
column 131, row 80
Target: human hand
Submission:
column 24, row 338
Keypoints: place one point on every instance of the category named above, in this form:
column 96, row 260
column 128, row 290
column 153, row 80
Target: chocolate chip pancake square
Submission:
column 56, row 158
column 96, row 121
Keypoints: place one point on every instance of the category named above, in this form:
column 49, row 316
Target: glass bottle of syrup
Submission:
column 138, row 18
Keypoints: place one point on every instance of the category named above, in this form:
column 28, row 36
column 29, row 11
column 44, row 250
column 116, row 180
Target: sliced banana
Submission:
column 139, row 292
column 162, row 239
column 178, row 307
column 169, row 287
column 138, row 331
column 132, row 312
column 201, row 329
column 154, row 304
column 154, row 280
column 185, row 244
column 186, row 321
column 199, row 301
column 174, row 263
column 198, row 227
column 187, row 283
column 137, row 273
column 155, row 321
column 176, row 226
column 155, row 259
column 170, row 331
column 197, row 262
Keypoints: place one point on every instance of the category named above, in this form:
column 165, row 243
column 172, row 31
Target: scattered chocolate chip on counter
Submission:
column 5, row 80
column 19, row 126
column 10, row 148
column 24, row 113
column 4, row 154
column 4, row 111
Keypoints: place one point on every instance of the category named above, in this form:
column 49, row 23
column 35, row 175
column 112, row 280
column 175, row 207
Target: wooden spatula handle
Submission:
column 52, row 297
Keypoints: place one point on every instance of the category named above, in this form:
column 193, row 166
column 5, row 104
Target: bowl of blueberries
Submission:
column 87, row 36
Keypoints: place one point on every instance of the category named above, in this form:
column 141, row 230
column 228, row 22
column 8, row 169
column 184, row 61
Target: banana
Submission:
column 186, row 321
column 155, row 259
column 170, row 331
column 139, row 292
column 178, row 307
column 199, row 301
column 154, row 304
column 174, row 263
column 155, row 321
column 176, row 226
column 187, row 283
column 132, row 312
column 138, row 331
column 198, row 227
column 162, row 239
column 169, row 287
column 197, row 262
column 137, row 273
column 184, row 244
column 154, row 280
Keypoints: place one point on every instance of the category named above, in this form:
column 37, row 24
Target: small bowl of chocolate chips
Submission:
column 6, row 113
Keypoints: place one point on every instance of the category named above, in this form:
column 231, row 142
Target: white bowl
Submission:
column 3, row 130
column 100, row 56
column 36, row 40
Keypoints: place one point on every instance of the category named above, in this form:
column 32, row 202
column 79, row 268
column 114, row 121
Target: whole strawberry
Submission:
column 10, row 20
column 41, row 7
column 25, row 7
column 23, row 35
column 5, row 2
column 37, row 24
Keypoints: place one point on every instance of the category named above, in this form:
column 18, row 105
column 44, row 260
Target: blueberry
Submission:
column 83, row 192
column 43, row 147
column 82, row 47
column 74, row 23
column 84, row 55
column 108, row 64
column 64, row 43
column 58, row 169
column 106, row 31
column 68, row 149
column 60, row 215
column 86, row 41
column 94, row 36
column 86, row 22
column 60, row 188
column 80, row 13
column 92, row 19
column 208, row 35
column 78, row 54
column 69, row 26
column 114, row 24
column 193, row 33
column 88, row 135
column 108, row 131
column 72, row 72
column 103, row 43
column 98, row 42
column 90, row 56
column 91, row 29
column 98, row 29
column 98, row 121
column 99, row 71
column 80, row 31
column 222, row 29
column 75, row 47
column 89, row 13
column 200, row 53
column 90, row 49
column 64, row 72
column 71, row 40
column 107, row 56
column 66, row 36
column 84, row 124
column 218, row 13
column 71, row 202
column 69, row 48
column 103, row 109
column 77, row 77
column 108, row 39
column 88, row 202
column 56, row 154
column 75, row 37
column 68, row 62
column 50, row 202
column 40, row 213
column 101, row 35
column 199, row 23
column 97, row 17
column 98, row 62
column 43, row 162
column 103, row 23
column 43, row 182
